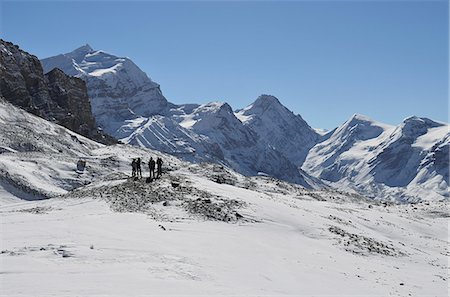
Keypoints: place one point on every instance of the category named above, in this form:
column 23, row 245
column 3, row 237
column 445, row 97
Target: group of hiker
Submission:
column 152, row 164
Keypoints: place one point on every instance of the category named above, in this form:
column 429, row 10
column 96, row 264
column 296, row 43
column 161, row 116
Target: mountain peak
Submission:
column 415, row 126
column 420, row 121
column 261, row 105
column 214, row 107
column 266, row 100
column 358, row 127
column 358, row 119
column 83, row 49
column 362, row 120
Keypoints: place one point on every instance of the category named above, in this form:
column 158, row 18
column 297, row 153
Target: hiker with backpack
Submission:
column 133, row 167
column 151, row 167
column 138, row 168
column 159, row 167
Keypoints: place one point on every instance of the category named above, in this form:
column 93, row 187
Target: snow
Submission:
column 289, row 251
column 242, row 117
column 379, row 160
column 433, row 136
column 188, row 121
column 202, row 229
column 383, row 161
column 111, row 70
column 321, row 131
column 278, row 127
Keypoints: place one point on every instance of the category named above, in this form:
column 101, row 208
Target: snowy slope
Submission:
column 159, row 240
column 279, row 127
column 200, row 229
column 294, row 248
column 38, row 158
column 407, row 162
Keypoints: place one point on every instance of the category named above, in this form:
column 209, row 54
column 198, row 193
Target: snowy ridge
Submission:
column 407, row 162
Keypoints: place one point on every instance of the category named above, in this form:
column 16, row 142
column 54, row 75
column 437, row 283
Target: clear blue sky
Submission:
column 324, row 60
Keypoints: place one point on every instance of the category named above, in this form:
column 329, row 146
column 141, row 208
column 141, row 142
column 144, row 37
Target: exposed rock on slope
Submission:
column 70, row 95
column 54, row 96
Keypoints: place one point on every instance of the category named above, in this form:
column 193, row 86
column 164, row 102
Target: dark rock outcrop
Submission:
column 54, row 96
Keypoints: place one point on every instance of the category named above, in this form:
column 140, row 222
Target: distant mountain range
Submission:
column 131, row 107
column 409, row 162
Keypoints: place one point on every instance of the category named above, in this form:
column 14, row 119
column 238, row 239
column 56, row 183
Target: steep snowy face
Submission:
column 69, row 63
column 433, row 172
column 400, row 158
column 117, row 88
column 279, row 127
column 166, row 135
column 218, row 122
column 408, row 162
column 241, row 147
column 326, row 158
column 121, row 75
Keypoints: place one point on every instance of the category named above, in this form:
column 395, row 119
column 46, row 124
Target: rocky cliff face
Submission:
column 70, row 96
column 54, row 96
column 22, row 81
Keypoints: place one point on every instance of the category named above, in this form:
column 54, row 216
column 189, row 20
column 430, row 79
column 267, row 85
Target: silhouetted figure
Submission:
column 151, row 167
column 138, row 168
column 159, row 167
column 133, row 167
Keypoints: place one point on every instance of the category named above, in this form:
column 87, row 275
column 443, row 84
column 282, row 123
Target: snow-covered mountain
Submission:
column 203, row 227
column 242, row 147
column 199, row 228
column 130, row 106
column 408, row 162
column 279, row 127
column 117, row 88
